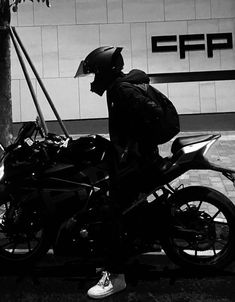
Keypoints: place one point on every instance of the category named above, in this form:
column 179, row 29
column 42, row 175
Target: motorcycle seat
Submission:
column 183, row 141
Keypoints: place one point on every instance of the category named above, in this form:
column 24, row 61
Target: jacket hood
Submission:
column 135, row 76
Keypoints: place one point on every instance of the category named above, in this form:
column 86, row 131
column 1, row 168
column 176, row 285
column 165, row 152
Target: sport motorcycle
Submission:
column 53, row 188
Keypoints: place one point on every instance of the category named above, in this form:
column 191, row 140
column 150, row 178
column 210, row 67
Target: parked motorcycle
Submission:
column 53, row 188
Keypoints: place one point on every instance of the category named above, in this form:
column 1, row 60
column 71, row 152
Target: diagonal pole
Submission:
column 29, row 82
column 41, row 83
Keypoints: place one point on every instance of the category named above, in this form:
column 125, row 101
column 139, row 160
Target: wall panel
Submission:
column 61, row 12
column 114, row 11
column 225, row 96
column 91, row 11
column 223, row 8
column 207, row 97
column 57, row 39
column 91, row 105
column 75, row 42
column 143, row 11
column 50, row 53
column 185, row 96
column 65, row 96
column 139, row 46
column 179, row 10
column 203, row 9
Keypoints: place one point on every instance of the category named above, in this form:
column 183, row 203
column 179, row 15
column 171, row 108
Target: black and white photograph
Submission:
column 117, row 150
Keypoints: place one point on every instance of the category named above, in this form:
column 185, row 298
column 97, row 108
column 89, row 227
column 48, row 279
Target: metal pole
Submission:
column 41, row 84
column 29, row 83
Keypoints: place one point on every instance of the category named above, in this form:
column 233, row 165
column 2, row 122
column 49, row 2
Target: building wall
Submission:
column 57, row 39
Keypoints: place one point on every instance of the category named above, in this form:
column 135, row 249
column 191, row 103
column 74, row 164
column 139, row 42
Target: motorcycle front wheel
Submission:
column 25, row 237
column 201, row 233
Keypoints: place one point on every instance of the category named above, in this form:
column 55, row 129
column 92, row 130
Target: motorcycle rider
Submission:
column 127, row 109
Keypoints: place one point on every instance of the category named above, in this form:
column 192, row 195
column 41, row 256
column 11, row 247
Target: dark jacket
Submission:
column 129, row 108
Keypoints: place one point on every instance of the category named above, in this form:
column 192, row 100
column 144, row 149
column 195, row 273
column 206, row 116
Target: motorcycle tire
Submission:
column 22, row 246
column 209, row 218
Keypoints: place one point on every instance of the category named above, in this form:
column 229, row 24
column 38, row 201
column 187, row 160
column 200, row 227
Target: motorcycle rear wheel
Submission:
column 22, row 244
column 211, row 216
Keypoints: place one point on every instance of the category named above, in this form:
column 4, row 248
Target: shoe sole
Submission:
column 106, row 295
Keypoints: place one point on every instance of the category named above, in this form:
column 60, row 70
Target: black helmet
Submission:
column 102, row 60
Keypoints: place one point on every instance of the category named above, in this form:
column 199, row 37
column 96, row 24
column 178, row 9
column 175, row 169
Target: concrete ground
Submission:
column 156, row 279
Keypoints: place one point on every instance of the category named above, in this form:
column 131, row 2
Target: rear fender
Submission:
column 196, row 162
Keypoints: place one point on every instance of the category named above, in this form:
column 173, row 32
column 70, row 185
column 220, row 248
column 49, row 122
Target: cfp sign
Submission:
column 192, row 42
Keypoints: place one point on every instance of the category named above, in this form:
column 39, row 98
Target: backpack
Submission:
column 166, row 125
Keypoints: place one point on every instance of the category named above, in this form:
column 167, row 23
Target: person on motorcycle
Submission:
column 126, row 109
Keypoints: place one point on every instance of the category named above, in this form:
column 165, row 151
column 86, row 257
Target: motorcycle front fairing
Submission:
column 79, row 170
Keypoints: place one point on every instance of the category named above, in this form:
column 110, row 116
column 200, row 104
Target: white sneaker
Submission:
column 107, row 285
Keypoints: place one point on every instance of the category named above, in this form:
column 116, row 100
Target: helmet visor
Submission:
column 82, row 70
